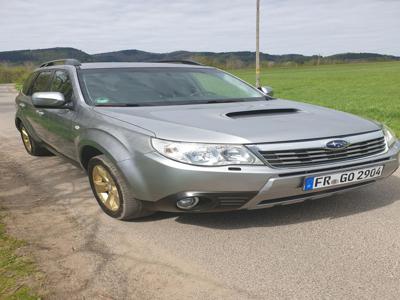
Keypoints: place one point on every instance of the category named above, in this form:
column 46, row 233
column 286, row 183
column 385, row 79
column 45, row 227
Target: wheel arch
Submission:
column 97, row 142
column 18, row 123
column 87, row 153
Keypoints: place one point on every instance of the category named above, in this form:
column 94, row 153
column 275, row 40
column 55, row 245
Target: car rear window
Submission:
column 28, row 84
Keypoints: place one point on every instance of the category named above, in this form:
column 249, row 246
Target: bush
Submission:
column 14, row 74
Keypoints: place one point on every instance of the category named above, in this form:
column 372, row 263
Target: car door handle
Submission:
column 22, row 105
column 40, row 112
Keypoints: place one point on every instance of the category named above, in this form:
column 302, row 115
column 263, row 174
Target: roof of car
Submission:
column 68, row 63
column 105, row 65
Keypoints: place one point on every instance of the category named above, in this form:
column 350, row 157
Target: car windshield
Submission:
column 163, row 86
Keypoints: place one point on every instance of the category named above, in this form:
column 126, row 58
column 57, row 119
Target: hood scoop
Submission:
column 261, row 112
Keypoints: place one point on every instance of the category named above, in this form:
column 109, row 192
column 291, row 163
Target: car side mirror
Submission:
column 48, row 100
column 267, row 90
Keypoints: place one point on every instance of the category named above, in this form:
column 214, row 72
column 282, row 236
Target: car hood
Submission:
column 241, row 122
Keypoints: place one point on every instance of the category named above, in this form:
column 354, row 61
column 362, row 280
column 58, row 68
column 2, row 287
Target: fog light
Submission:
column 187, row 203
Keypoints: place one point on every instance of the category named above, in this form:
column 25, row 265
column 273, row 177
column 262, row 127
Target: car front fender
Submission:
column 118, row 146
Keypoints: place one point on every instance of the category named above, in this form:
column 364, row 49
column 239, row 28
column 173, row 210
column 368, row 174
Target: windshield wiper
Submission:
column 119, row 105
column 225, row 101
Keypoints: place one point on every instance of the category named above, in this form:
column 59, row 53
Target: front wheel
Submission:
column 112, row 191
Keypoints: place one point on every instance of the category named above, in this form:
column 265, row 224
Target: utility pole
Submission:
column 258, row 85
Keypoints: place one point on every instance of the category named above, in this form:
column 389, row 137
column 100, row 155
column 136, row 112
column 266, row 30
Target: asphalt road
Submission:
column 342, row 247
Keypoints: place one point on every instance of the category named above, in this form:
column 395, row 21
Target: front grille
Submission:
column 319, row 156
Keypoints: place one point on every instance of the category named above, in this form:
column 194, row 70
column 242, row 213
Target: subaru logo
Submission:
column 337, row 145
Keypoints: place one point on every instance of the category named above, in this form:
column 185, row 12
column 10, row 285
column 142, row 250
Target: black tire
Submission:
column 31, row 146
column 129, row 208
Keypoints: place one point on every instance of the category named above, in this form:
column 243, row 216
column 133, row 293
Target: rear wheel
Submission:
column 31, row 146
column 112, row 191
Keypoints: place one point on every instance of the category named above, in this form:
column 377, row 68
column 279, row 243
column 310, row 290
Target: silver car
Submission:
column 183, row 137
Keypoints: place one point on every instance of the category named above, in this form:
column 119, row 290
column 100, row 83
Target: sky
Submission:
column 287, row 26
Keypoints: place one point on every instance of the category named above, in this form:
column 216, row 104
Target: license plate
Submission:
column 317, row 182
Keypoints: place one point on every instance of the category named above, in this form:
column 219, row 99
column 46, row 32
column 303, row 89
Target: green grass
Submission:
column 371, row 90
column 18, row 86
column 15, row 270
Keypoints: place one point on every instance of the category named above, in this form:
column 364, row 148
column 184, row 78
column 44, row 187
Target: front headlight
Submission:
column 206, row 154
column 389, row 136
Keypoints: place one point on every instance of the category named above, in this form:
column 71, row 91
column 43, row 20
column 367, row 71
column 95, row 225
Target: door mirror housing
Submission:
column 267, row 90
column 48, row 100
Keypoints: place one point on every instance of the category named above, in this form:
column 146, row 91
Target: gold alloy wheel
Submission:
column 26, row 140
column 105, row 187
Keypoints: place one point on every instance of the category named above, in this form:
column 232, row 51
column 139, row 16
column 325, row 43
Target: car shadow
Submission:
column 369, row 198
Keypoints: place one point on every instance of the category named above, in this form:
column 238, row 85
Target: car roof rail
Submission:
column 66, row 61
column 180, row 61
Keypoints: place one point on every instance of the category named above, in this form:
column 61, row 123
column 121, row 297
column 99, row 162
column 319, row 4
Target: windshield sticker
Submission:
column 102, row 100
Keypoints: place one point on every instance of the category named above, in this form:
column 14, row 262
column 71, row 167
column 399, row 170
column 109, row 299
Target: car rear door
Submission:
column 25, row 107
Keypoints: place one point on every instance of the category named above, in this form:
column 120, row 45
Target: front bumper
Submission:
column 161, row 182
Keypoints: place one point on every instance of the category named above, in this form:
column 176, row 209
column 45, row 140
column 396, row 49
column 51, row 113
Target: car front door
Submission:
column 35, row 115
column 59, row 121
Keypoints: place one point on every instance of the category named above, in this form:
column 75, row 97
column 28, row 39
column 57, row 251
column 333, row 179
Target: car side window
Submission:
column 42, row 82
column 62, row 84
column 28, row 83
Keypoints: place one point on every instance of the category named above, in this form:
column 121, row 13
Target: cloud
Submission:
column 287, row 26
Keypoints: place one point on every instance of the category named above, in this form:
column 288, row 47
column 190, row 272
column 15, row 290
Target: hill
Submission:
column 237, row 59
column 41, row 55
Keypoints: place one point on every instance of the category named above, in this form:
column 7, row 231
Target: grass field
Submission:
column 15, row 270
column 371, row 90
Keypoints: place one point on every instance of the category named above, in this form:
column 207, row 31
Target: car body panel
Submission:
column 209, row 123
column 57, row 129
